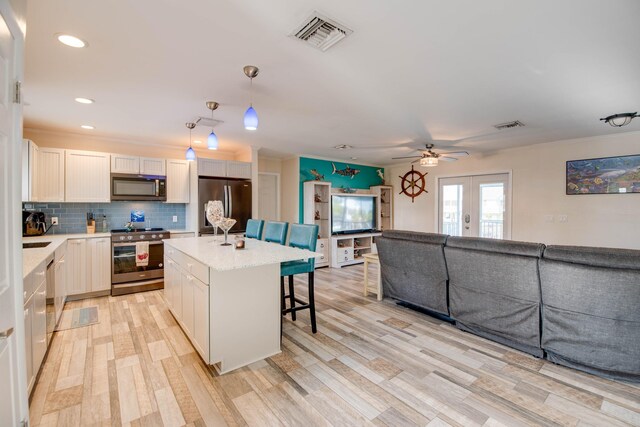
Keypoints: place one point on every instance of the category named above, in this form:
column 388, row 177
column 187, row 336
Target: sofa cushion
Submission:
column 413, row 269
column 494, row 288
column 598, row 257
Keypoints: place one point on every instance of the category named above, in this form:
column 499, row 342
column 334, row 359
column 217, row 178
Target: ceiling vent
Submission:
column 321, row 32
column 509, row 125
column 207, row 121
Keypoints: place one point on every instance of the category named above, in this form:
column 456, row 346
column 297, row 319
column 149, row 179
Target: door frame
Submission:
column 509, row 193
column 278, row 187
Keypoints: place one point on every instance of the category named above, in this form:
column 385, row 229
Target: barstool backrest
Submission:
column 276, row 232
column 254, row 229
column 304, row 236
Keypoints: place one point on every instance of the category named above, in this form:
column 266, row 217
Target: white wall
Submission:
column 290, row 183
column 609, row 220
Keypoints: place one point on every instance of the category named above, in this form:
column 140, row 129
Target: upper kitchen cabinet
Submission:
column 125, row 164
column 87, row 176
column 177, row 181
column 239, row 170
column 137, row 165
column 50, row 175
column 29, row 171
column 149, row 166
column 224, row 168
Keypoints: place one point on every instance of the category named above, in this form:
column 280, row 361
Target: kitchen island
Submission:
column 227, row 300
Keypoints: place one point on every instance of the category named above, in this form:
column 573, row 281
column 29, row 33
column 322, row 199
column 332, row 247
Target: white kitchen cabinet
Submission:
column 172, row 286
column 187, row 285
column 29, row 171
column 39, row 326
column 177, row 181
column 125, row 164
column 99, row 264
column 87, row 176
column 76, row 259
column 151, row 166
column 212, row 167
column 60, row 274
column 28, row 339
column 50, row 175
column 201, row 317
column 238, row 169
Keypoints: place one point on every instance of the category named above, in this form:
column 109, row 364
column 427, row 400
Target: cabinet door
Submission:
column 168, row 282
column 86, row 176
column 201, row 318
column 60, row 274
column 30, row 153
column 125, row 164
column 187, row 303
column 239, row 170
column 28, row 340
column 50, row 175
column 149, row 166
column 39, row 326
column 177, row 181
column 77, row 267
column 211, row 167
column 176, row 293
column 99, row 264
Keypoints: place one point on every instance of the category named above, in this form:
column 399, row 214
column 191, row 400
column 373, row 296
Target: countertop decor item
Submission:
column 240, row 244
column 413, row 183
column 215, row 213
column 225, row 224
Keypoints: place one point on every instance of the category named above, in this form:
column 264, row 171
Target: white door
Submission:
column 475, row 206
column 269, row 196
column 13, row 392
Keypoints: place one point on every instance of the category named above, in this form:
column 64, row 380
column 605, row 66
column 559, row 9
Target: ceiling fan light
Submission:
column 212, row 141
column 191, row 154
column 429, row 162
column 250, row 119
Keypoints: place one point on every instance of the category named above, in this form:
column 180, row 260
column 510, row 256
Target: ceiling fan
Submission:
column 430, row 158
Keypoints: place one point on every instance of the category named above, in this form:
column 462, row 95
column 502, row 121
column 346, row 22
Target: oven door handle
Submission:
column 119, row 245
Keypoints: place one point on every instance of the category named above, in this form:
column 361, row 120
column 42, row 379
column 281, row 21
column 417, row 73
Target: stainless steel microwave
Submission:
column 130, row 187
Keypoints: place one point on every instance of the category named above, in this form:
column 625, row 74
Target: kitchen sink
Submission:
column 35, row 245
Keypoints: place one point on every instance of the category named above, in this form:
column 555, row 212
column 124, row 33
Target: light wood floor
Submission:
column 371, row 363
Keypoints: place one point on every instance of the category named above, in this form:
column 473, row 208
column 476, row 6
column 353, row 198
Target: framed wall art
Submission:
column 606, row 175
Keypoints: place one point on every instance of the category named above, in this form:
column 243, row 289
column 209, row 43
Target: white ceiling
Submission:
column 414, row 70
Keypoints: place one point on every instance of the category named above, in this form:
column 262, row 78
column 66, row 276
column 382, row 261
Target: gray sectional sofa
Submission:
column 576, row 306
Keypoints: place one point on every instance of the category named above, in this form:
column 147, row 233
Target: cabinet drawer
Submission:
column 188, row 264
column 34, row 280
column 345, row 252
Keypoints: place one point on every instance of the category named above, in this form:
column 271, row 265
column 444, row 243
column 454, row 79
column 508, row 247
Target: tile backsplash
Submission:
column 72, row 217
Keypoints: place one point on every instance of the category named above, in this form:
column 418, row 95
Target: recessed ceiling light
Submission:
column 197, row 142
column 71, row 41
column 85, row 100
column 343, row 147
column 87, row 127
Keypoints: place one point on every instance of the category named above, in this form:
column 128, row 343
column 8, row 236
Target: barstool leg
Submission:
column 312, row 303
column 282, row 303
column 292, row 300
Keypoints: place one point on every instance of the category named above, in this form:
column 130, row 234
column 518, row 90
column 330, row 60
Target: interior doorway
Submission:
column 269, row 196
column 475, row 206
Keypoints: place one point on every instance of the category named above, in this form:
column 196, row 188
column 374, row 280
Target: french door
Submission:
column 475, row 206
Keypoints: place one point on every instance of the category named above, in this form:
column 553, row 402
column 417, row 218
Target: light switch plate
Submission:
column 175, row 218
column 563, row 218
column 548, row 218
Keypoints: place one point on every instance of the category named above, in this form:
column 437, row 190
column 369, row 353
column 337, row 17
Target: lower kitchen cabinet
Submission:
column 35, row 321
column 88, row 265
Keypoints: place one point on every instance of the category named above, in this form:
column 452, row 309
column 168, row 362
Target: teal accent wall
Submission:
column 365, row 178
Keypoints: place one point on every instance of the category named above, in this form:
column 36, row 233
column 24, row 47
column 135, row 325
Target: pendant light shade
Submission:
column 429, row 161
column 250, row 119
column 191, row 154
column 212, row 141
column 250, row 116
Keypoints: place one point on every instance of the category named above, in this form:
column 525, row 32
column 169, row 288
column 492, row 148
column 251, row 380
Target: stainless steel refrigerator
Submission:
column 235, row 195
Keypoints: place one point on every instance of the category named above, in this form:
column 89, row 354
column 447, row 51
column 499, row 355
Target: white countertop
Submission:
column 208, row 251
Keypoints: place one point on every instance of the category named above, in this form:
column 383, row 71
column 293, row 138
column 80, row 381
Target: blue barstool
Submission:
column 254, row 229
column 303, row 236
column 276, row 232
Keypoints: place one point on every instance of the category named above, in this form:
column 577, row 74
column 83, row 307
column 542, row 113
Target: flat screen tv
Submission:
column 352, row 214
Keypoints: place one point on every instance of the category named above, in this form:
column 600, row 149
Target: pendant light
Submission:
column 191, row 154
column 250, row 116
column 212, row 140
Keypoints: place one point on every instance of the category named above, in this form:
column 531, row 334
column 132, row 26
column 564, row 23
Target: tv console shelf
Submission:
column 347, row 249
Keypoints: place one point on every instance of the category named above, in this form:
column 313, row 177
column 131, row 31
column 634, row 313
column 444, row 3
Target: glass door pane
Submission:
column 452, row 210
column 491, row 210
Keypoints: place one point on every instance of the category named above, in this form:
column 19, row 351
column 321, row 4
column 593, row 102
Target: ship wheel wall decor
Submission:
column 413, row 183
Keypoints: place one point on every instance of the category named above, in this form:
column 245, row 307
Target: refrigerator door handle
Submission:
column 230, row 202
column 226, row 202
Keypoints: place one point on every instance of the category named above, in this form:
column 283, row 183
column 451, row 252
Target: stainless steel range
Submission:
column 127, row 276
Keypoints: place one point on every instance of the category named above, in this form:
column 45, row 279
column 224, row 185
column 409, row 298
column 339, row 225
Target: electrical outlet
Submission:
column 175, row 218
column 54, row 220
column 548, row 218
column 563, row 218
